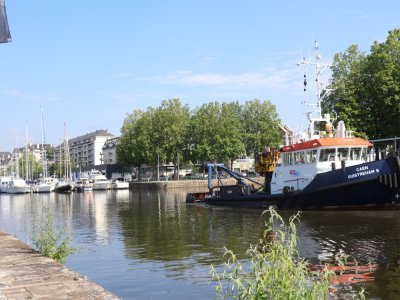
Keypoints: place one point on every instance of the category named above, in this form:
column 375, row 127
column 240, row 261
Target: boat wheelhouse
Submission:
column 299, row 163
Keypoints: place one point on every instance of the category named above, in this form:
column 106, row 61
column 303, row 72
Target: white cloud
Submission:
column 268, row 79
column 23, row 96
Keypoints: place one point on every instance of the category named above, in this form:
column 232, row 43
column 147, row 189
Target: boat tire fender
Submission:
column 286, row 190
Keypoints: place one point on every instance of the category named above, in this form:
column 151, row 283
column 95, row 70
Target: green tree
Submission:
column 32, row 167
column 136, row 142
column 366, row 88
column 54, row 169
column 170, row 125
column 346, row 84
column 50, row 153
column 215, row 132
column 260, row 123
column 229, row 140
column 211, row 132
column 202, row 124
column 383, row 87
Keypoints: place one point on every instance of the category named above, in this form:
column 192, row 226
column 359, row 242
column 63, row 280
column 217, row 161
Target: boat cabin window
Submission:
column 287, row 158
column 311, row 156
column 364, row 153
column 314, row 156
column 355, row 153
column 358, row 153
column 327, row 154
column 299, row 158
column 343, row 154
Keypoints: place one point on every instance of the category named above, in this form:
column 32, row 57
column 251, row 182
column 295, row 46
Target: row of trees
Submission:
column 211, row 132
column 366, row 88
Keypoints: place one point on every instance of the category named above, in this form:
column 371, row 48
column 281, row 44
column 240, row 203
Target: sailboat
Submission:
column 64, row 185
column 16, row 185
column 45, row 184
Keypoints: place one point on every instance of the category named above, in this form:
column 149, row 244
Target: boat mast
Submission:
column 321, row 93
column 16, row 160
column 314, row 115
column 43, row 151
column 26, row 155
column 66, row 154
column 61, row 162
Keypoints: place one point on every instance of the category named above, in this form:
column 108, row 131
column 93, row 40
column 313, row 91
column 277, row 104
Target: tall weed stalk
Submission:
column 275, row 269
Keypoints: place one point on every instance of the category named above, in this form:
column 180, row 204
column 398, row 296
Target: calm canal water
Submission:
column 152, row 245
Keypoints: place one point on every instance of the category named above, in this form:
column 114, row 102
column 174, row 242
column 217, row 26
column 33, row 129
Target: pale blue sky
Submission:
column 87, row 63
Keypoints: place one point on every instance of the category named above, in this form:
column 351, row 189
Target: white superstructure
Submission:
column 100, row 182
column 17, row 186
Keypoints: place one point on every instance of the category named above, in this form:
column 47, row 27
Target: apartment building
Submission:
column 85, row 150
column 110, row 151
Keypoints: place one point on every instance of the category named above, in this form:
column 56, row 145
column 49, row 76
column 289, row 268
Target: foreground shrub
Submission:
column 50, row 242
column 275, row 269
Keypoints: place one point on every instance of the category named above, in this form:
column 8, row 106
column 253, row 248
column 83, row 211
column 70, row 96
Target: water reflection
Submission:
column 150, row 244
column 371, row 237
column 169, row 230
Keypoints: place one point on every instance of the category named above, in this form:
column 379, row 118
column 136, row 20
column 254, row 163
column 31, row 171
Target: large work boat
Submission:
column 321, row 168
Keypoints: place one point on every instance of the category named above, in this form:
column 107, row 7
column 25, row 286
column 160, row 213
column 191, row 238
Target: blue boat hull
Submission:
column 340, row 189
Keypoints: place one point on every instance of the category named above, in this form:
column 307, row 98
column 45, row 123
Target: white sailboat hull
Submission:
column 42, row 188
column 101, row 185
column 118, row 185
column 17, row 186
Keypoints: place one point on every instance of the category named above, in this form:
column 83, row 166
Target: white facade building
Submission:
column 85, row 150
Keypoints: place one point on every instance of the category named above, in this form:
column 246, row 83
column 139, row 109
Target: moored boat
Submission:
column 17, row 186
column 65, row 184
column 99, row 181
column 84, row 185
column 322, row 168
column 119, row 184
column 63, row 187
column 41, row 187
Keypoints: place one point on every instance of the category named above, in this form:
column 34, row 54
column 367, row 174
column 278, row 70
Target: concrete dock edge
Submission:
column 182, row 184
column 26, row 274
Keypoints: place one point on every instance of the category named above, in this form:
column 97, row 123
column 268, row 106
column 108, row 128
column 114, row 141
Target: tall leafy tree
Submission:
column 229, row 138
column 366, row 88
column 260, row 126
column 346, row 84
column 136, row 141
column 202, row 128
column 215, row 132
column 383, row 86
column 170, row 124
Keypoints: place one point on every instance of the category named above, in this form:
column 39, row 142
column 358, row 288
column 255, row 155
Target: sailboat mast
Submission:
column 27, row 175
column 61, row 162
column 43, row 151
column 66, row 154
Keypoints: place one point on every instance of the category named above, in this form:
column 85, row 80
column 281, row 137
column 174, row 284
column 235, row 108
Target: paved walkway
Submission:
column 25, row 274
